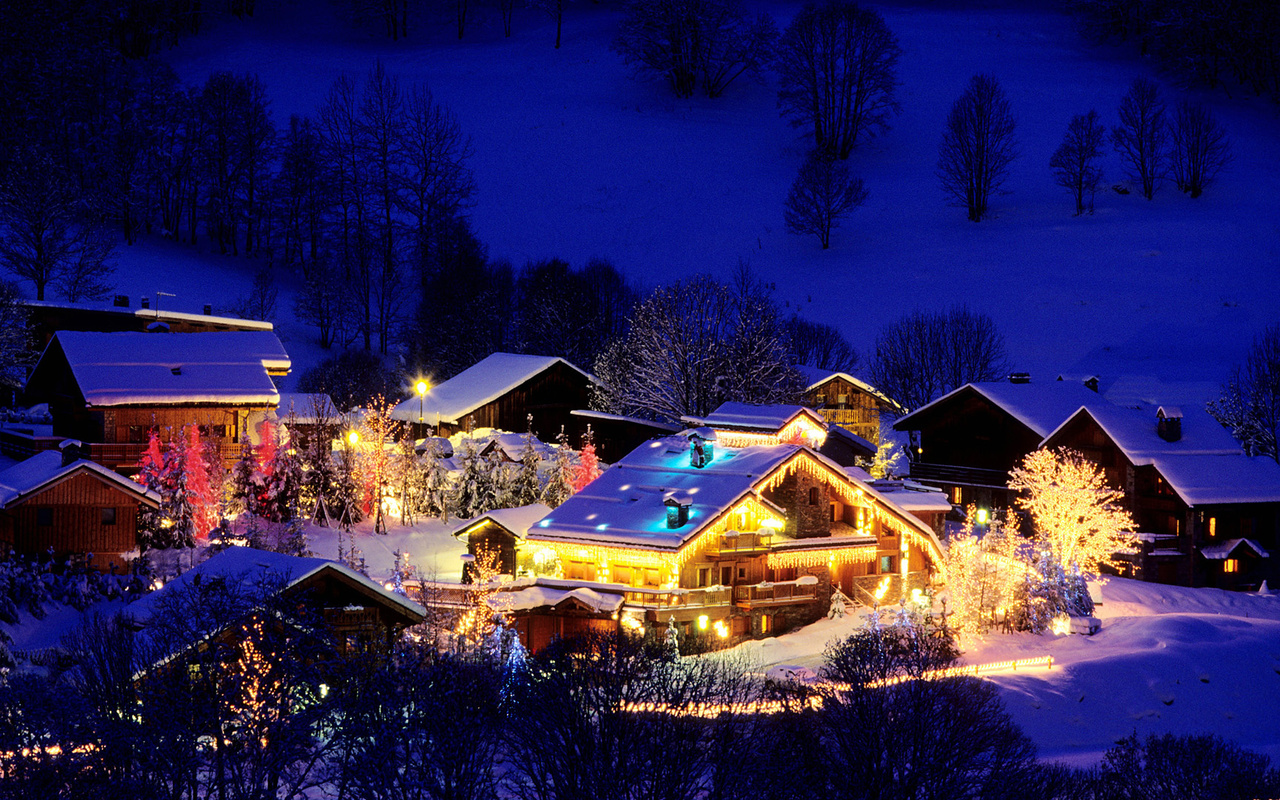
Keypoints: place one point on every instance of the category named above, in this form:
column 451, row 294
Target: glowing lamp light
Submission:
column 353, row 438
column 722, row 630
column 703, row 621
column 1061, row 625
column 422, row 387
column 982, row 516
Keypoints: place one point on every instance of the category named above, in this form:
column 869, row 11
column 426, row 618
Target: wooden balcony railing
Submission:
column 680, row 598
column 742, row 543
column 116, row 454
column 949, row 474
column 774, row 594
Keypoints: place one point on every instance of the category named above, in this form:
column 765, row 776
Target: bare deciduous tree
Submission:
column 1140, row 136
column 823, row 193
column 553, row 9
column 692, row 41
column 927, row 354
column 1074, row 162
column 1200, row 148
column 818, row 345
column 837, row 72
column 977, row 146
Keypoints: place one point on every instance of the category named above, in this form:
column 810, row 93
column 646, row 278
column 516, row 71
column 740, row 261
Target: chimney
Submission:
column 1020, row 377
column 1169, row 423
column 702, row 442
column 121, row 301
column 146, row 301
column 208, row 309
column 677, row 504
column 71, row 451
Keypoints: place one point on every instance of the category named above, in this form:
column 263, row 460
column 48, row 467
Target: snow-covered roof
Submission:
column 248, row 569
column 1205, row 466
column 539, row 596
column 481, row 383
column 748, row 416
column 625, row 505
column 306, row 408
column 45, row 469
column 1042, row 407
column 603, row 415
column 518, row 520
column 1222, row 551
column 912, row 496
column 113, row 369
column 154, row 314
column 1133, row 390
column 512, row 446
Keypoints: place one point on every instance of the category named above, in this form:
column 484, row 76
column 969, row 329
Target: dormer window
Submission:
column 677, row 504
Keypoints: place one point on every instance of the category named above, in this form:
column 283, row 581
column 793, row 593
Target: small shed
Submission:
column 58, row 501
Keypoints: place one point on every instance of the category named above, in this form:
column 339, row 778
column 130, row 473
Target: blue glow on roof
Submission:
column 545, row 523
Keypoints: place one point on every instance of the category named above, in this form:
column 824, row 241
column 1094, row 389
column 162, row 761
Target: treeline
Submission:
column 279, row 709
column 1207, row 42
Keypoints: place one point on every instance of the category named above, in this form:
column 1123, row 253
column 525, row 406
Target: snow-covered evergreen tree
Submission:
column 178, row 528
column 471, row 489
column 244, row 491
column 282, row 485
column 526, row 488
column 560, row 484
column 437, row 493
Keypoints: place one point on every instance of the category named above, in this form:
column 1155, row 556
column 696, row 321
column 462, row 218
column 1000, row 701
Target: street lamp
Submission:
column 353, row 438
column 421, row 386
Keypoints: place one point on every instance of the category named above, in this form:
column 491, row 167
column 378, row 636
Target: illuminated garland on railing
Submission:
column 800, row 430
column 833, row 557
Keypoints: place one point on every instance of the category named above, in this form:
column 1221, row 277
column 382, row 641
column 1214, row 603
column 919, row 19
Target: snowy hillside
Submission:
column 575, row 157
column 1167, row 659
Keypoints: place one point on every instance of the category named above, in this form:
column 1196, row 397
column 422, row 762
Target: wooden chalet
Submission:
column 547, row 609
column 58, row 503
column 46, row 318
column 356, row 612
column 615, row 435
column 1206, row 514
column 503, row 391
column 849, row 402
column 738, row 528
column 110, row 390
column 966, row 441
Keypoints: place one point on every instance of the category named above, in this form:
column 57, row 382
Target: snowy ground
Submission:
column 1167, row 659
column 430, row 545
column 575, row 157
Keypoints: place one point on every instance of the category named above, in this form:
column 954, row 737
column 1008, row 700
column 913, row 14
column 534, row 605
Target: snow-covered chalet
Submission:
column 110, row 390
column 738, row 527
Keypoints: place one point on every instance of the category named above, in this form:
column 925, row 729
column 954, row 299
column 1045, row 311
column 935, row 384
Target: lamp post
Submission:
column 421, row 386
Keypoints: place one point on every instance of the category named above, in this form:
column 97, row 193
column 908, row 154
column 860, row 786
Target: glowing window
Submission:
column 1231, row 565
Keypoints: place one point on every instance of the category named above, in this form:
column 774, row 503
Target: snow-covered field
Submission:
column 575, row 157
column 1167, row 660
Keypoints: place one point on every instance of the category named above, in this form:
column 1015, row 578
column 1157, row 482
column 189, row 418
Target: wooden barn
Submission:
column 503, row 391
column 549, row 609
column 110, row 390
column 1205, row 513
column 497, row 534
column 58, row 502
column 847, row 401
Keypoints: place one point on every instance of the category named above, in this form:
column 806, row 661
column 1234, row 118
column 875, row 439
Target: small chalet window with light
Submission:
column 1231, row 565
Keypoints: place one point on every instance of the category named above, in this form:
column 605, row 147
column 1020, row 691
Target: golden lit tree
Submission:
column 1076, row 514
column 984, row 569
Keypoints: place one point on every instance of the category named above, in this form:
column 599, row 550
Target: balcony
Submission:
column 679, row 598
column 745, row 544
column 117, row 455
column 765, row 595
column 965, row 476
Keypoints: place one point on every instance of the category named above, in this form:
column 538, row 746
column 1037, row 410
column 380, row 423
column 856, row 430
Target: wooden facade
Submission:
column 82, row 514
column 844, row 403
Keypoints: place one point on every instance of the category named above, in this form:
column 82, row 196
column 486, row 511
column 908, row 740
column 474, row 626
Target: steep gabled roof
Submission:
column 44, row 470
column 247, row 569
column 1205, row 466
column 817, row 377
column 517, row 520
column 1040, row 407
column 624, row 506
column 477, row 385
column 118, row 369
column 752, row 417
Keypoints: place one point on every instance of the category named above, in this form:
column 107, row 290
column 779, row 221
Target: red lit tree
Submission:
column 588, row 468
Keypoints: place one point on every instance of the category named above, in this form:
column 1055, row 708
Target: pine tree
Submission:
column 151, row 474
column 495, row 485
column 527, row 486
column 283, row 485
column 178, row 527
column 468, row 493
column 560, row 486
column 588, row 468
column 408, row 472
column 244, row 490
column 437, row 495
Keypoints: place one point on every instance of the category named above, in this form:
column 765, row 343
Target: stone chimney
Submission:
column 1020, row 377
column 71, row 451
column 1169, row 423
